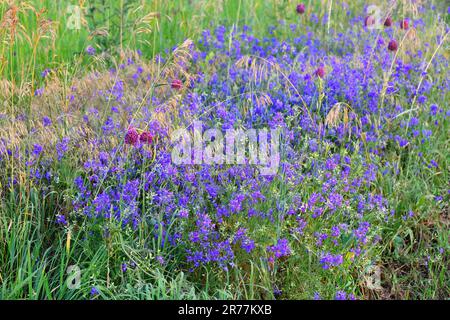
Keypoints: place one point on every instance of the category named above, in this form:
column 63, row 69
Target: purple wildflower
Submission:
column 90, row 50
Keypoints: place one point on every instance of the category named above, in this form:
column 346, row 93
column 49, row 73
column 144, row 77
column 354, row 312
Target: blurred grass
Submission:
column 39, row 34
column 151, row 26
column 42, row 34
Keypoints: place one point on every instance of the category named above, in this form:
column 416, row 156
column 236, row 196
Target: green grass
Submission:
column 112, row 26
column 35, row 254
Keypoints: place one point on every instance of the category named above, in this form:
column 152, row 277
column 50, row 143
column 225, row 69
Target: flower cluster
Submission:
column 133, row 137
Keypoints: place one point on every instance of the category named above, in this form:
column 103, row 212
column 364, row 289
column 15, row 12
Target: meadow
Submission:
column 94, row 95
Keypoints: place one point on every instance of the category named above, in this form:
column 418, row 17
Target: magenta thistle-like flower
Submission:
column 132, row 137
column 388, row 22
column 392, row 46
column 320, row 72
column 176, row 84
column 404, row 24
column 146, row 137
column 300, row 8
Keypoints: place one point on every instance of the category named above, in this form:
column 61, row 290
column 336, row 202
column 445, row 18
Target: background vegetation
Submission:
column 35, row 253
